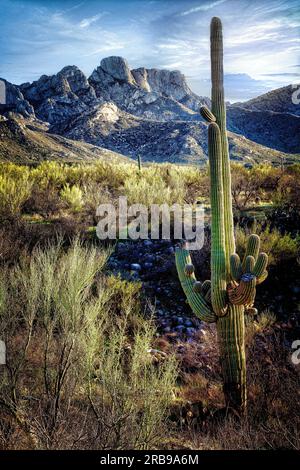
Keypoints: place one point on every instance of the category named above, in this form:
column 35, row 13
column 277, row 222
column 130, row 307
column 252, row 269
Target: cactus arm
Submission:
column 252, row 248
column 254, row 272
column 235, row 267
column 262, row 278
column 206, row 288
column 197, row 302
column 249, row 264
column 244, row 293
column 207, row 114
column 260, row 265
column 219, row 111
column 218, row 248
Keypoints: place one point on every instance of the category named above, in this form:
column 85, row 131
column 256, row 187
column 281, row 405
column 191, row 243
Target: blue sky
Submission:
column 262, row 40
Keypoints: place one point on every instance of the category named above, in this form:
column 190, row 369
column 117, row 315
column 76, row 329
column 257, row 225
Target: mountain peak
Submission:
column 171, row 83
column 118, row 68
column 15, row 101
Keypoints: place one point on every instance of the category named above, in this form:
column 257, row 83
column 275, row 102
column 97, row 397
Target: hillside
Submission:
column 279, row 100
column 272, row 119
column 22, row 141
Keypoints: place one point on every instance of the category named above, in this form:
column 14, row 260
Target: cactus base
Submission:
column 231, row 334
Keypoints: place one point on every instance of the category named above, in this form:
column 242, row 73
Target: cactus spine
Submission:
column 231, row 291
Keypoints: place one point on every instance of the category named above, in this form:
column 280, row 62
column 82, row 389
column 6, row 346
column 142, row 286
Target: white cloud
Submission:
column 205, row 7
column 86, row 22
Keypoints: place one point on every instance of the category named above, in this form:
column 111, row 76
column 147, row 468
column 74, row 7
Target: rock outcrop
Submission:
column 152, row 94
column 60, row 97
column 15, row 102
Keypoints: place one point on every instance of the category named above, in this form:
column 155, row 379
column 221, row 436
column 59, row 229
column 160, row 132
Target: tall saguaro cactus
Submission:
column 231, row 291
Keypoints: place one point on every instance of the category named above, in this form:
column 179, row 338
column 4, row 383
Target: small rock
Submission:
column 180, row 328
column 160, row 312
column 148, row 265
column 135, row 267
column 295, row 289
column 190, row 331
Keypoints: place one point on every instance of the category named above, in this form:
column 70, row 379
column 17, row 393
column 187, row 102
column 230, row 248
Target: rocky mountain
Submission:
column 15, row 101
column 280, row 131
column 168, row 141
column 283, row 100
column 147, row 112
column 272, row 119
column 27, row 141
column 60, row 97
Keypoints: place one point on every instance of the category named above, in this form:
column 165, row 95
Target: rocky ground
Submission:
column 152, row 263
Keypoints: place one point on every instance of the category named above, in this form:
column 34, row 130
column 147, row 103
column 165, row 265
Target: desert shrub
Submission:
column 246, row 187
column 135, row 395
column 259, row 325
column 43, row 201
column 112, row 175
column 279, row 247
column 78, row 374
column 267, row 177
column 50, row 174
column 13, row 171
column 72, row 196
column 286, row 196
column 152, row 189
column 95, row 194
column 14, row 190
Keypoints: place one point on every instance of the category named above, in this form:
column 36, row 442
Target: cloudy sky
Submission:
column 262, row 40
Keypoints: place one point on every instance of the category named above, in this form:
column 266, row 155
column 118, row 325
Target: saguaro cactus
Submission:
column 231, row 291
column 140, row 163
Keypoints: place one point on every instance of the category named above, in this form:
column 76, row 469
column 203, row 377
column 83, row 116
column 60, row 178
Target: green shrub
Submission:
column 152, row 189
column 14, row 190
column 73, row 197
column 78, row 370
column 278, row 247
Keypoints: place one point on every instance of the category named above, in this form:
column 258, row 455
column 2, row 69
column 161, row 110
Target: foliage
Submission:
column 15, row 188
column 278, row 247
column 78, row 371
column 72, row 196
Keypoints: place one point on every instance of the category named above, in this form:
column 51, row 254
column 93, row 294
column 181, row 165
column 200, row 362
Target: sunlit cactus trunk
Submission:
column 231, row 290
column 140, row 163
